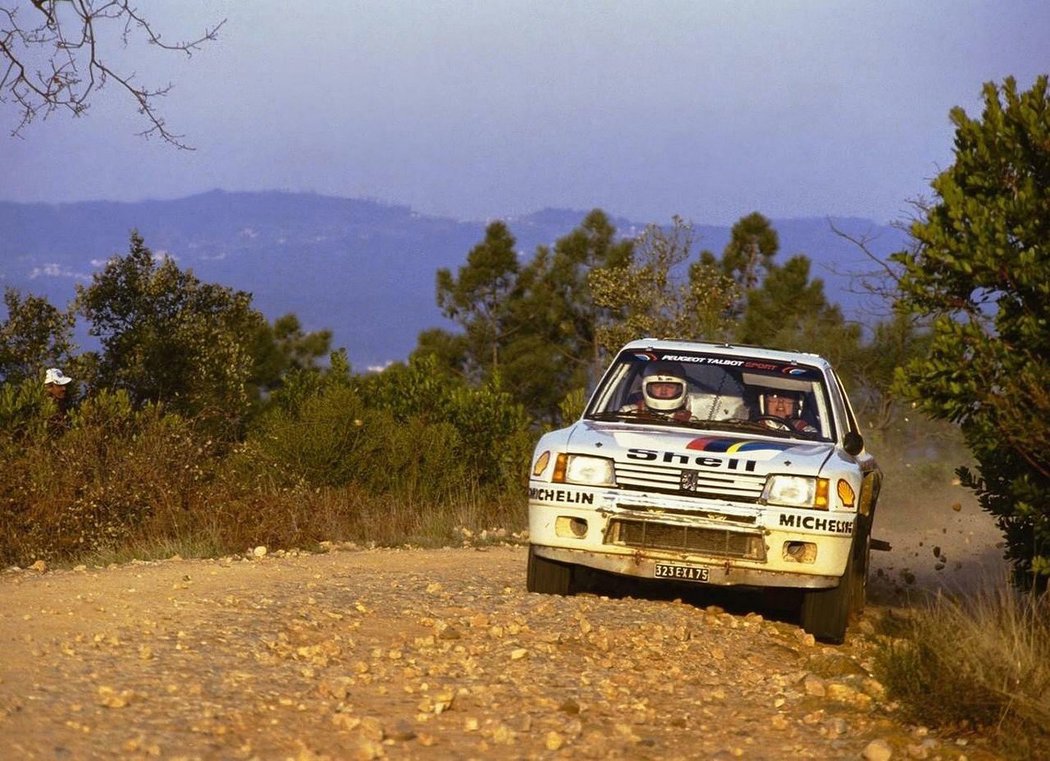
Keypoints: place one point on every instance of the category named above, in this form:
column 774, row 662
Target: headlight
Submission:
column 582, row 469
column 796, row 491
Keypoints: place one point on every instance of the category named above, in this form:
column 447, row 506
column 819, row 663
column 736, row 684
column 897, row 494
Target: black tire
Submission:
column 547, row 576
column 861, row 563
column 825, row 612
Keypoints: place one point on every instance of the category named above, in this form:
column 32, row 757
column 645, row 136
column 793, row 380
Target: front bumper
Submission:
column 642, row 566
column 738, row 544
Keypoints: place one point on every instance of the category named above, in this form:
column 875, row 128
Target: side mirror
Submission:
column 853, row 443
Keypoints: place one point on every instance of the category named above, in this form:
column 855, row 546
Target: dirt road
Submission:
column 417, row 654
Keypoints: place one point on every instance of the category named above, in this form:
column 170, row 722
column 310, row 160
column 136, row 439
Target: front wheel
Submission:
column 825, row 612
column 861, row 564
column 547, row 576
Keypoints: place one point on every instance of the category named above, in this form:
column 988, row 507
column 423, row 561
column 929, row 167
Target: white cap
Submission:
column 54, row 375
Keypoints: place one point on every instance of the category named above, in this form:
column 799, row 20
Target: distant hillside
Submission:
column 363, row 269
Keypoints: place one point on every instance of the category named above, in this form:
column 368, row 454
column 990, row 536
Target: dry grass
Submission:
column 304, row 518
column 980, row 663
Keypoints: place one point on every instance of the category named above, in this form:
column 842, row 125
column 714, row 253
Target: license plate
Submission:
column 680, row 572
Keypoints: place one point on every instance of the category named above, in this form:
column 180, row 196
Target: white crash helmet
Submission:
column 664, row 386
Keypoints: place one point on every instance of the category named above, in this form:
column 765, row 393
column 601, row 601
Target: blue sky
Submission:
column 476, row 110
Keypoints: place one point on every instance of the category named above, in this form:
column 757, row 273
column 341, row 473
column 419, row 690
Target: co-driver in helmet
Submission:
column 782, row 409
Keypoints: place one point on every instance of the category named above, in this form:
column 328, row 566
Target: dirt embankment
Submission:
column 420, row 654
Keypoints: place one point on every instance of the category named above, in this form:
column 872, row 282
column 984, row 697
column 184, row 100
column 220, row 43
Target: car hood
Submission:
column 677, row 446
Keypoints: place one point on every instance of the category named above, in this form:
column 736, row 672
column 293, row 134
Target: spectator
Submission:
column 56, row 381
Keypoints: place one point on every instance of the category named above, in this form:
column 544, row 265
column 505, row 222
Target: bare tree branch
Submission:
column 54, row 61
column 862, row 243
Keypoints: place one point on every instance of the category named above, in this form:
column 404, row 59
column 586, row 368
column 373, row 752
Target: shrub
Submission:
column 494, row 429
column 332, row 439
column 24, row 412
column 982, row 662
column 423, row 456
column 572, row 406
column 312, row 443
column 979, row 270
column 115, row 472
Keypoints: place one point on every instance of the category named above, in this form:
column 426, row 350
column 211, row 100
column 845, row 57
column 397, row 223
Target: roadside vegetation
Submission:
column 976, row 664
column 978, row 274
column 326, row 460
column 197, row 427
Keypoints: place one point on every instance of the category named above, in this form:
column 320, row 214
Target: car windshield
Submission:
column 725, row 392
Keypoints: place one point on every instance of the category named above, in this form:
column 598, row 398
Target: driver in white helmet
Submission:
column 664, row 392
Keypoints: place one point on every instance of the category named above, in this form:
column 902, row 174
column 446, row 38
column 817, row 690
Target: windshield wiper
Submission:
column 751, row 425
column 736, row 424
column 612, row 415
column 638, row 416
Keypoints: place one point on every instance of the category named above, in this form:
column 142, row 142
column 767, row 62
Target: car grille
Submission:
column 705, row 541
column 719, row 484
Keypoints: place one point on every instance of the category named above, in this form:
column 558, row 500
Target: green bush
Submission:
column 24, row 412
column 332, row 440
column 978, row 271
column 317, row 442
column 497, row 441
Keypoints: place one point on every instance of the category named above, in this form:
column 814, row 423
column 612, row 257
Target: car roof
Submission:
column 739, row 350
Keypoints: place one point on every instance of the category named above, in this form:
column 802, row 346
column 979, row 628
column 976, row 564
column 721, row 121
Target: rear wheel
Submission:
column 548, row 577
column 825, row 612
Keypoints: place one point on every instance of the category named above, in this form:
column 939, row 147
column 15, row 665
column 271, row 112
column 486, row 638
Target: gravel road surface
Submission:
column 421, row 654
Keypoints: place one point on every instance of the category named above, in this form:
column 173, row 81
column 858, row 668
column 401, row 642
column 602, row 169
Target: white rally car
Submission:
column 710, row 464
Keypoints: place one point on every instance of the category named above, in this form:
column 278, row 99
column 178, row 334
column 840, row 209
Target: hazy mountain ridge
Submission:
column 362, row 268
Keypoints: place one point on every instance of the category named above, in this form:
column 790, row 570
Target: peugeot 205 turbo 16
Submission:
column 710, row 464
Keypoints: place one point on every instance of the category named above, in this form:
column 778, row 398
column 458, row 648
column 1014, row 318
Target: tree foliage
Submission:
column 198, row 349
column 35, row 335
column 980, row 270
column 749, row 255
column 660, row 294
column 556, row 347
column 872, row 368
column 534, row 326
column 546, row 328
column 790, row 311
column 448, row 349
column 712, row 296
column 283, row 348
column 744, row 296
column 564, row 288
column 56, row 55
column 478, row 297
column 167, row 337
